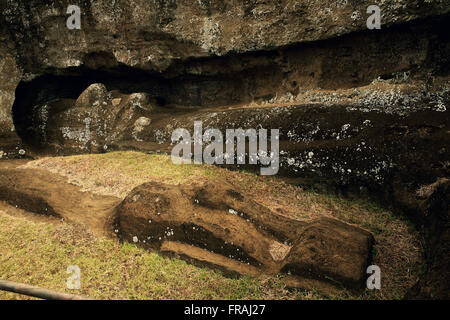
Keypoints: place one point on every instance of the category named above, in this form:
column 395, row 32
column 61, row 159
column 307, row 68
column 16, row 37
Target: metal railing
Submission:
column 37, row 292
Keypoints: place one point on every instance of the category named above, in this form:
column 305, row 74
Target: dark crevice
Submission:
column 69, row 84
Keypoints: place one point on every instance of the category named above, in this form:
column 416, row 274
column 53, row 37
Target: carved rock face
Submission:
column 172, row 39
column 240, row 235
column 90, row 123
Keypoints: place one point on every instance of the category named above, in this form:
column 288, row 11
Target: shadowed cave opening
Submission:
column 30, row 110
column 29, row 116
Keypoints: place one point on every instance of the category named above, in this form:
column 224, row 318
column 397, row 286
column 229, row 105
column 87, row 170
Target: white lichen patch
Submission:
column 211, row 36
column 139, row 126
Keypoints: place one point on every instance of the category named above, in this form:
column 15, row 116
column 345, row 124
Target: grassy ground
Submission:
column 39, row 253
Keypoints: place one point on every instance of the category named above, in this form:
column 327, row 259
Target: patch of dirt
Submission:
column 13, row 164
column 42, row 192
column 13, row 211
column 238, row 231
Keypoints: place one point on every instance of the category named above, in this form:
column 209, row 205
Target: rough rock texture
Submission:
column 430, row 205
column 329, row 248
column 214, row 217
column 45, row 193
column 173, row 38
column 360, row 111
column 348, row 144
column 152, row 34
column 410, row 62
column 10, row 76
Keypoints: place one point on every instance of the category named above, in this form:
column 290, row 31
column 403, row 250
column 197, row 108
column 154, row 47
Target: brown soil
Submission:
column 42, row 192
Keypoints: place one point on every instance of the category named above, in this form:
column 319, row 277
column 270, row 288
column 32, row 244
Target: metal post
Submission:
column 37, row 292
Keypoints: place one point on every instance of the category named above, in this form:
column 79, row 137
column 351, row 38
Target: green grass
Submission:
column 119, row 172
column 397, row 251
column 39, row 253
column 371, row 216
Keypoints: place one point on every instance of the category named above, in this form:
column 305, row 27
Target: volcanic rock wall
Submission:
column 362, row 111
column 9, row 79
column 156, row 36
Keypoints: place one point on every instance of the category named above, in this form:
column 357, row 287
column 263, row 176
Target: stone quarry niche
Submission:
column 348, row 61
column 39, row 100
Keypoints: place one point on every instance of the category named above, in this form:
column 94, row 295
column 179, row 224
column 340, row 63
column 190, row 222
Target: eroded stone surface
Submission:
column 329, row 248
column 209, row 53
column 151, row 35
column 10, row 76
column 48, row 194
column 162, row 61
column 213, row 216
